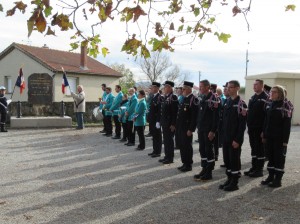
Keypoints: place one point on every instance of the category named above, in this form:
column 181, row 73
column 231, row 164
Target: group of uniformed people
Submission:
column 220, row 120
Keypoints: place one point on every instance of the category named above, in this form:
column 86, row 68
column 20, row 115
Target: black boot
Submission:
column 197, row 177
column 269, row 179
column 3, row 129
column 208, row 174
column 277, row 181
column 221, row 186
column 256, row 173
column 233, row 185
column 253, row 168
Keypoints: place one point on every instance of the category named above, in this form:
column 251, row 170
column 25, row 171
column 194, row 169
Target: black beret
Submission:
column 267, row 88
column 157, row 84
column 170, row 83
column 190, row 84
column 226, row 84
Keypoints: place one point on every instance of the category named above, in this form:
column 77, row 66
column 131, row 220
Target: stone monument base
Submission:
column 41, row 122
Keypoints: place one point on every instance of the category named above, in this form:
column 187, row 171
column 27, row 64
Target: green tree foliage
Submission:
column 150, row 25
column 127, row 80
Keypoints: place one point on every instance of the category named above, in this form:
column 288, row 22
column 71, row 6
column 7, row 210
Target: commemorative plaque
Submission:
column 40, row 88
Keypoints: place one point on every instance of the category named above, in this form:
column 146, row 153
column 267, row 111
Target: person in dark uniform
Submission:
column 276, row 132
column 255, row 122
column 3, row 108
column 207, row 124
column 169, row 109
column 234, row 125
column 154, row 120
column 180, row 100
column 186, row 124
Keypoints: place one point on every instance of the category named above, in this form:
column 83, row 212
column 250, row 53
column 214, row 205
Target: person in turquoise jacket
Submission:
column 101, row 100
column 122, row 117
column 132, row 102
column 115, row 109
column 139, row 119
column 108, row 114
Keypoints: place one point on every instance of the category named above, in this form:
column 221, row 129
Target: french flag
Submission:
column 65, row 83
column 20, row 81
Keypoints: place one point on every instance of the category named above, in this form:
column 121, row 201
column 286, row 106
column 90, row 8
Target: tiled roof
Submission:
column 56, row 59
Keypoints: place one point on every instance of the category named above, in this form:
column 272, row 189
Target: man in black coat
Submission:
column 186, row 124
column 169, row 109
column 154, row 120
column 207, row 124
column 3, row 108
column 234, row 125
column 255, row 122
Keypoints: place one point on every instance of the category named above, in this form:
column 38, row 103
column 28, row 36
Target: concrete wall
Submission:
column 11, row 63
column 291, row 81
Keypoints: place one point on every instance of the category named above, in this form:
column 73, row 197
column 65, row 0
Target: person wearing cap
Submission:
column 101, row 100
column 207, row 124
column 108, row 114
column 115, row 109
column 79, row 106
column 154, row 120
column 185, row 125
column 3, row 108
column 169, row 109
column 234, row 125
column 180, row 100
column 255, row 121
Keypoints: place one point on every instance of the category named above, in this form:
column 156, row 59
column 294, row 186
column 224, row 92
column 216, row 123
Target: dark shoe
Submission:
column 108, row 135
column 275, row 184
column 198, row 176
column 221, row 186
column 79, row 128
column 269, row 179
column 116, row 137
column 186, row 169
column 167, row 161
column 155, row 155
column 207, row 176
column 150, row 154
column 246, row 173
column 233, row 185
column 223, row 165
column 148, row 135
column 256, row 173
column 162, row 160
column 180, row 167
column 126, row 143
column 103, row 131
column 123, row 140
column 130, row 144
column 139, row 149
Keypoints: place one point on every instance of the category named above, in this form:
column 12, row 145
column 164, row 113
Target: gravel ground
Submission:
column 60, row 176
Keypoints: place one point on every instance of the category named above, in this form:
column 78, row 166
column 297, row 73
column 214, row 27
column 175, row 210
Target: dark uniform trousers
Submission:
column 104, row 124
column 107, row 120
column 168, row 143
column 125, row 132
column 156, row 139
column 257, row 148
column 277, row 154
column 232, row 158
column 206, row 150
column 117, row 125
column 3, row 117
column 186, row 148
column 140, row 131
column 130, row 132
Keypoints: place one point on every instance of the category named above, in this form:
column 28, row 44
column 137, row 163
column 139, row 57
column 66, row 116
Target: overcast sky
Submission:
column 273, row 44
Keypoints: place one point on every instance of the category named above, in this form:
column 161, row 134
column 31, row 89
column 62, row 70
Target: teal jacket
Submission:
column 122, row 117
column 103, row 98
column 109, row 101
column 131, row 107
column 140, row 113
column 115, row 107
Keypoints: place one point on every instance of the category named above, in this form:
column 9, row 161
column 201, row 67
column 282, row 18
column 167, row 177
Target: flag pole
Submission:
column 66, row 77
column 16, row 83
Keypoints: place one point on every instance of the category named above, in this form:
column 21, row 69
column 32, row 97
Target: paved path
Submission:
column 66, row 176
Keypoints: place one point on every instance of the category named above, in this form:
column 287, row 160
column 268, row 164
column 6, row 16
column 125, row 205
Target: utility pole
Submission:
column 247, row 60
column 199, row 77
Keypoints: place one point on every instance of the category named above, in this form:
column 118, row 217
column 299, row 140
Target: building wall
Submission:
column 11, row 63
column 291, row 81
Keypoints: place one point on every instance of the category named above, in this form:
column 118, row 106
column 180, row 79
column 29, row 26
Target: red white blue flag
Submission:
column 65, row 83
column 20, row 81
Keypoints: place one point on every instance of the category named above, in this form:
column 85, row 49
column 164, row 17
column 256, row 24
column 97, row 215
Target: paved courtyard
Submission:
column 58, row 176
